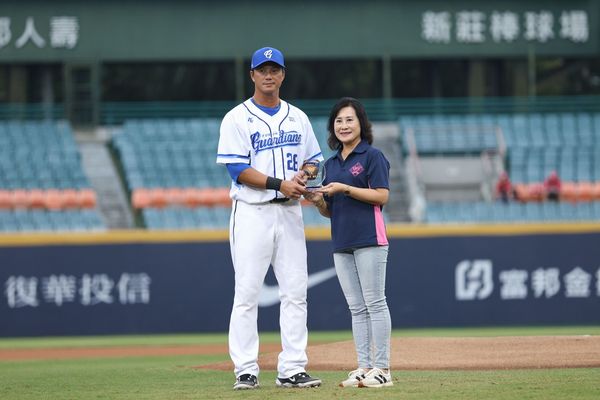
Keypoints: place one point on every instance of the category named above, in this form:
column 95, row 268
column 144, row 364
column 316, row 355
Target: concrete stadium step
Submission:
column 386, row 139
column 104, row 178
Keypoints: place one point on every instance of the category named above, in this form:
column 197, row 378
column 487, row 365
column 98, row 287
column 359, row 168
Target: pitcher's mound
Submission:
column 412, row 353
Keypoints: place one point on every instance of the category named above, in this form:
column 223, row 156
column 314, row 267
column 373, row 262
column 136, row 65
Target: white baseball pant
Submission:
column 263, row 235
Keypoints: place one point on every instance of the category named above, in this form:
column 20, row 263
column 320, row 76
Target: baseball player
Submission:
column 264, row 142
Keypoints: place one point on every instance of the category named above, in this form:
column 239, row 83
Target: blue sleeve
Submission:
column 378, row 170
column 235, row 169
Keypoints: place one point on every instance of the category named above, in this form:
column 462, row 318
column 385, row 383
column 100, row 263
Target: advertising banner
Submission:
column 460, row 280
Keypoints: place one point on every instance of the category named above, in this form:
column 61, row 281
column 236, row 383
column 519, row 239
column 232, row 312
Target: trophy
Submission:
column 315, row 172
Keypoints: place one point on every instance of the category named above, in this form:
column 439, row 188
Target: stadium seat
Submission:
column 522, row 192
column 158, row 197
column 140, row 198
column 584, row 191
column 36, row 198
column 221, row 197
column 175, row 196
column 39, row 161
column 569, row 192
column 69, row 198
column 536, row 192
column 53, row 199
column 20, row 199
column 193, row 197
column 596, row 190
column 5, row 199
column 86, row 198
column 170, row 153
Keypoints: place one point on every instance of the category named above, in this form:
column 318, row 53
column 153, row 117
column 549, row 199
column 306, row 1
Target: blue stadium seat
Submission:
column 171, row 153
column 40, row 155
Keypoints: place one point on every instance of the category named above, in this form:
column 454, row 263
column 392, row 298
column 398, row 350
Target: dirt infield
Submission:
column 408, row 353
column 458, row 353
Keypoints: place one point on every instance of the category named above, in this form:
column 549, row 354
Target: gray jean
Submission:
column 362, row 277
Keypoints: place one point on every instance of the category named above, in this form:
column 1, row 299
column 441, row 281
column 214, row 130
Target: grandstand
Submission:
column 42, row 183
column 527, row 146
column 448, row 166
column 171, row 177
column 118, row 128
column 170, row 174
column 166, row 166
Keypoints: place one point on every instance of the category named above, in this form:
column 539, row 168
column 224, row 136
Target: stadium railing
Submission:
column 115, row 113
column 31, row 111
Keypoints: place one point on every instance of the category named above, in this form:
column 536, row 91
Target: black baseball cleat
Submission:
column 246, row 381
column 300, row 380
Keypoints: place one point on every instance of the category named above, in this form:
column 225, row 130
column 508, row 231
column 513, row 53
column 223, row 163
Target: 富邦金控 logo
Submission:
column 473, row 279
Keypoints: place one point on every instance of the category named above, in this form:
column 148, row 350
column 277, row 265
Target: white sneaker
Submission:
column 376, row 378
column 354, row 378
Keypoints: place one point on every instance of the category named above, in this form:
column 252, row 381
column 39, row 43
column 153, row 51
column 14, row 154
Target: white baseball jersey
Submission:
column 275, row 145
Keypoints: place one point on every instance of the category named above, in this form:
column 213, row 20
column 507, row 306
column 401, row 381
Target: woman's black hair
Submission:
column 365, row 126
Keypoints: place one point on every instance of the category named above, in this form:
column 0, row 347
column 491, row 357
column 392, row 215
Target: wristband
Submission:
column 273, row 183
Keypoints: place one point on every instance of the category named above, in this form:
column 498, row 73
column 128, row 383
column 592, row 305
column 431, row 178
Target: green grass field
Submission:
column 172, row 377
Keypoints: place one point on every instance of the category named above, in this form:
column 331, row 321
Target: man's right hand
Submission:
column 301, row 177
column 292, row 189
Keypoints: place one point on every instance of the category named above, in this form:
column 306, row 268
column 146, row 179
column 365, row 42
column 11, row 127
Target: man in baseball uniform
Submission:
column 264, row 142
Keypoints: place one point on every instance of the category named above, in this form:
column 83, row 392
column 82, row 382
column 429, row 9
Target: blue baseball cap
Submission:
column 267, row 54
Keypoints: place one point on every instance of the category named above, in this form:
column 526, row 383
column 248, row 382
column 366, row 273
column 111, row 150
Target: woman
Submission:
column 355, row 189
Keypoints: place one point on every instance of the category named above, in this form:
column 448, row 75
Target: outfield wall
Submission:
column 148, row 282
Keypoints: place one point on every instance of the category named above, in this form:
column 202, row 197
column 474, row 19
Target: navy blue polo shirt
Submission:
column 356, row 224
